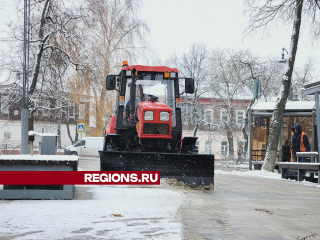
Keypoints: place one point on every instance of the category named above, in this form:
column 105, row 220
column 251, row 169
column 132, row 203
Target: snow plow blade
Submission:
column 192, row 169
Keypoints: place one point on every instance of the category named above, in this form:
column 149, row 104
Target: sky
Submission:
column 176, row 24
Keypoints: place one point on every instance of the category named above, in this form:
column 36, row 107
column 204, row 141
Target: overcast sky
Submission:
column 176, row 24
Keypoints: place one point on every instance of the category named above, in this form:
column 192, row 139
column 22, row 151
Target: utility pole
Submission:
column 25, row 83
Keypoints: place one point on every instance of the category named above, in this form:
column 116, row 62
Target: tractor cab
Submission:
column 148, row 106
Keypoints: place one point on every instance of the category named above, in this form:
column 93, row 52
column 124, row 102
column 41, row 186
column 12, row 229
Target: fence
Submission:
column 10, row 148
column 223, row 155
column 7, row 148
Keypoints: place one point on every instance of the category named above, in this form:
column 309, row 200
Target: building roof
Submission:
column 312, row 88
column 290, row 106
column 151, row 68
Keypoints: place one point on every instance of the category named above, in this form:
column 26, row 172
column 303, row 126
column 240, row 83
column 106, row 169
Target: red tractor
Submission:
column 146, row 132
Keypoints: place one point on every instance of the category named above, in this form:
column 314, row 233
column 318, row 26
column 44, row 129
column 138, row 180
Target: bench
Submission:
column 257, row 165
column 313, row 155
column 300, row 168
column 38, row 163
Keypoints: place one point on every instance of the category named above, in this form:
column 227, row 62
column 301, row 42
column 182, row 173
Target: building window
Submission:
column 82, row 108
column 92, row 122
column 7, row 135
column 224, row 148
column 70, row 110
column 208, row 116
column 207, row 148
column 4, row 104
column 197, row 145
column 240, row 117
column 224, row 115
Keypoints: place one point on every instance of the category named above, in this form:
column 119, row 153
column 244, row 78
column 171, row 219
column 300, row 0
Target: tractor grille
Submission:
column 156, row 128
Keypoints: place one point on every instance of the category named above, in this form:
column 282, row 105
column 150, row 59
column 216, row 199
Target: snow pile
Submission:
column 257, row 173
column 181, row 185
column 234, row 165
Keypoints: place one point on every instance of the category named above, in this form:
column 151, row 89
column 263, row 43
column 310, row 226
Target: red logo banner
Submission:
column 79, row 177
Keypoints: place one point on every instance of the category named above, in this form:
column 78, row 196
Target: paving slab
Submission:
column 243, row 207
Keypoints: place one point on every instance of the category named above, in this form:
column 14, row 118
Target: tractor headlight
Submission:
column 173, row 75
column 128, row 73
column 148, row 115
column 164, row 116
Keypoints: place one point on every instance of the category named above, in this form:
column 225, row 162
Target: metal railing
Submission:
column 7, row 148
column 223, row 155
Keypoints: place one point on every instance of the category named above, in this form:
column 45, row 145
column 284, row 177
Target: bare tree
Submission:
column 261, row 16
column 227, row 82
column 53, row 33
column 192, row 65
column 301, row 77
column 114, row 32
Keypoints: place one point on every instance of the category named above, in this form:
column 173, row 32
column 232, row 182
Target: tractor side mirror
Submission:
column 111, row 82
column 189, row 85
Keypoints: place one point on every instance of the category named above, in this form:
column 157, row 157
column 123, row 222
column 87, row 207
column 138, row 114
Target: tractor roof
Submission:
column 142, row 68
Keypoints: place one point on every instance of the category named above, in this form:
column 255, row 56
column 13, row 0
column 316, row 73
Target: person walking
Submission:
column 299, row 143
column 239, row 152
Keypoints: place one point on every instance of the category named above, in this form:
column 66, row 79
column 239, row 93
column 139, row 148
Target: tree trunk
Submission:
column 38, row 61
column 230, row 142
column 68, row 128
column 59, row 128
column 195, row 129
column 244, row 127
column 277, row 118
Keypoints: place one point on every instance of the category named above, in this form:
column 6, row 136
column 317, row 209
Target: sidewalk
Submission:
column 244, row 207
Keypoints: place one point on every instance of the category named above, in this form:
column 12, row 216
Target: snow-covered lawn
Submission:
column 113, row 212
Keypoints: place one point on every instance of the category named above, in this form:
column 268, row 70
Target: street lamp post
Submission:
column 284, row 61
column 282, row 56
column 24, row 111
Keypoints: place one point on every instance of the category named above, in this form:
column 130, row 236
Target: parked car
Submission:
column 89, row 145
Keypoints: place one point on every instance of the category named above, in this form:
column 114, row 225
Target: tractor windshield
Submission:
column 153, row 87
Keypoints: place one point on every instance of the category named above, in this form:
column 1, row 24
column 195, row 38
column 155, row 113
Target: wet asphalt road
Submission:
column 243, row 207
column 252, row 208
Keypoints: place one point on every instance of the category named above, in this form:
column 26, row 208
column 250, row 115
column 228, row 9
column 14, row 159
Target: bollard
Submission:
column 31, row 139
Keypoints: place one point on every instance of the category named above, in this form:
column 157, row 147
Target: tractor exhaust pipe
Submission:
column 132, row 95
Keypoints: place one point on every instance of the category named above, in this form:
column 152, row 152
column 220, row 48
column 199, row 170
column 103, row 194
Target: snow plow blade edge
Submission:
column 192, row 169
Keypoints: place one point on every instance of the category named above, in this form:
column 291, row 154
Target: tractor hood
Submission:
column 151, row 106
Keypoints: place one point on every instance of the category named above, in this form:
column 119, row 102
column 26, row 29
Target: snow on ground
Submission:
column 263, row 174
column 113, row 212
column 253, row 173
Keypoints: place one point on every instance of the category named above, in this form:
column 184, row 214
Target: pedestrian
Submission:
column 286, row 153
column 239, row 152
column 299, row 143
